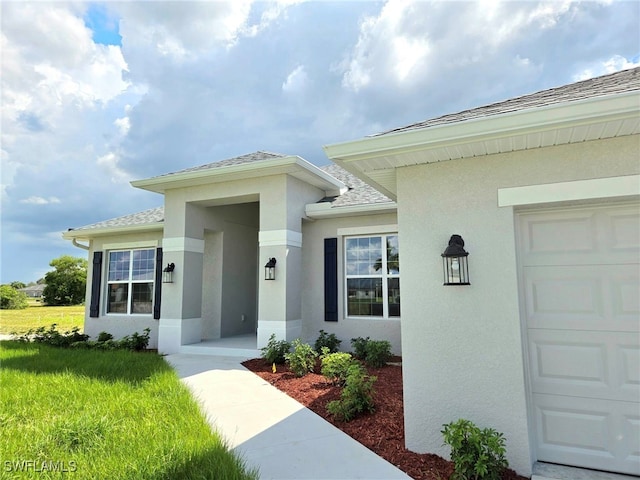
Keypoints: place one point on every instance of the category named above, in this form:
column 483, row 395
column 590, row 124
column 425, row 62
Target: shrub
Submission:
column 55, row 338
column 356, row 397
column 359, row 345
column 275, row 350
column 104, row 336
column 302, row 359
column 136, row 341
column 375, row 353
column 327, row 340
column 476, row 453
column 335, row 366
column 12, row 299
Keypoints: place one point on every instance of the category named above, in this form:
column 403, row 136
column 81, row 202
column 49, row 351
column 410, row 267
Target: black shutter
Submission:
column 157, row 285
column 330, row 279
column 96, row 278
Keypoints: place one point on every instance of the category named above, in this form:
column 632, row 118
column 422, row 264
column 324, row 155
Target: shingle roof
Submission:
column 241, row 160
column 359, row 193
column 153, row 215
column 619, row 82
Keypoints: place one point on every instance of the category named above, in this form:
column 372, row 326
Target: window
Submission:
column 130, row 281
column 373, row 276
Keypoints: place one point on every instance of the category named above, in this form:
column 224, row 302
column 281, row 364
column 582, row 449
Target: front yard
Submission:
column 37, row 315
column 87, row 414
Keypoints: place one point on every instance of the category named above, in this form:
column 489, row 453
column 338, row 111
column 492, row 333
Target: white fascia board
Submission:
column 292, row 164
column 534, row 120
column 89, row 233
column 318, row 211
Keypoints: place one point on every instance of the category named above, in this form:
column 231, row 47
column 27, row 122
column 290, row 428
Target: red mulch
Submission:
column 381, row 432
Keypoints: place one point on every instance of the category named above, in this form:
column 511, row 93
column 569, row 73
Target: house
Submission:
column 33, row 291
column 544, row 343
column 541, row 342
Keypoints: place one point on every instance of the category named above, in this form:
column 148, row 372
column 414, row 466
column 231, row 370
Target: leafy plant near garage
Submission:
column 275, row 350
column 476, row 453
column 375, row 353
column 302, row 359
column 328, row 340
column 356, row 397
column 335, row 366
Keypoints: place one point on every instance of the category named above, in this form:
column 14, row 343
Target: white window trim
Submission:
column 107, row 283
column 368, row 232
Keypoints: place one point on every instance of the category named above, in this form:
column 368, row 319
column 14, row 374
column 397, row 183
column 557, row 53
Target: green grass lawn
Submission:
column 36, row 315
column 103, row 415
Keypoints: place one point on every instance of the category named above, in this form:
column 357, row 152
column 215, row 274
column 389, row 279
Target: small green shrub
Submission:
column 136, row 341
column 335, row 366
column 476, row 454
column 356, row 397
column 359, row 346
column 375, row 353
column 302, row 359
column 104, row 336
column 275, row 350
column 12, row 299
column 53, row 337
column 327, row 340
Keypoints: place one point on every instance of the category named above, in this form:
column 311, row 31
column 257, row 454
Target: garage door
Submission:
column 580, row 291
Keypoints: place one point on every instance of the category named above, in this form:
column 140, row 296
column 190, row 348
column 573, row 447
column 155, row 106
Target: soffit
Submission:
column 375, row 159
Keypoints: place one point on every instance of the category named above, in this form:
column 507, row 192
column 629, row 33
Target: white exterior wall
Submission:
column 118, row 325
column 462, row 346
column 345, row 329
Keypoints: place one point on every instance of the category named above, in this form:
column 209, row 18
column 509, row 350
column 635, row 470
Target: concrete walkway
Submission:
column 272, row 431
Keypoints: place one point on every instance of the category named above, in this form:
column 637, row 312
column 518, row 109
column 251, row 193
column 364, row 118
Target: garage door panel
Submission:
column 588, row 364
column 593, row 297
column 606, row 235
column 597, row 434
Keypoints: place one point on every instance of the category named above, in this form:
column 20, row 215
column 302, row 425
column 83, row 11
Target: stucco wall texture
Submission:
column 462, row 346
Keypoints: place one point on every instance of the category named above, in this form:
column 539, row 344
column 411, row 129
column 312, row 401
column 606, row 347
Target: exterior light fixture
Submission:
column 454, row 262
column 167, row 273
column 270, row 269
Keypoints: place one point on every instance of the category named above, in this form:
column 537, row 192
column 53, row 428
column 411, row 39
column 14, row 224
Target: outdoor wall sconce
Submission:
column 270, row 269
column 167, row 273
column 454, row 262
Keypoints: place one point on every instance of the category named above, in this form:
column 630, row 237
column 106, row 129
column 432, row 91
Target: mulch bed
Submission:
column 382, row 431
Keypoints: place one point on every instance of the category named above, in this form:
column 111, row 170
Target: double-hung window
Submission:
column 130, row 281
column 372, row 276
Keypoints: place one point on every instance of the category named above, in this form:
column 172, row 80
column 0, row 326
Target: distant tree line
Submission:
column 65, row 285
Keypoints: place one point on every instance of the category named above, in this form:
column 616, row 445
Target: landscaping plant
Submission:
column 327, row 340
column 375, row 353
column 275, row 350
column 335, row 366
column 476, row 454
column 356, row 397
column 302, row 359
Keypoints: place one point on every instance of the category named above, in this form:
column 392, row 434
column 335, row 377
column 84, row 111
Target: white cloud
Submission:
column 611, row 65
column 296, row 80
column 35, row 200
column 109, row 164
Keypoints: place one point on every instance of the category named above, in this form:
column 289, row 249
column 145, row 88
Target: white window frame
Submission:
column 384, row 276
column 130, row 282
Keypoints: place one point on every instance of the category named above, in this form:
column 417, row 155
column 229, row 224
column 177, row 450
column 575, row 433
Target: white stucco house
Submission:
column 541, row 343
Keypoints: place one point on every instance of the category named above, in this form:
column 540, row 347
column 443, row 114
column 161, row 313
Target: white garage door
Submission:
column 580, row 290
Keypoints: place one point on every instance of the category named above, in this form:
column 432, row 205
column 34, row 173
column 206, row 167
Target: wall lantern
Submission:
column 167, row 273
column 270, row 269
column 454, row 262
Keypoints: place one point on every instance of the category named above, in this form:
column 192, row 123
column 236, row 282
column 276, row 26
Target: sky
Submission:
column 96, row 95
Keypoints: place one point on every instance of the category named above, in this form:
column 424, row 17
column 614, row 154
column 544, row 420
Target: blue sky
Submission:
column 95, row 95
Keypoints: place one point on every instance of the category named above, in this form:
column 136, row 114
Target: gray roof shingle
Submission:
column 359, row 193
column 153, row 215
column 258, row 156
column 619, row 82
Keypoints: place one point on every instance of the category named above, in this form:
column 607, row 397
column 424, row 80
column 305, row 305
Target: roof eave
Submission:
column 89, row 233
column 293, row 165
column 317, row 211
